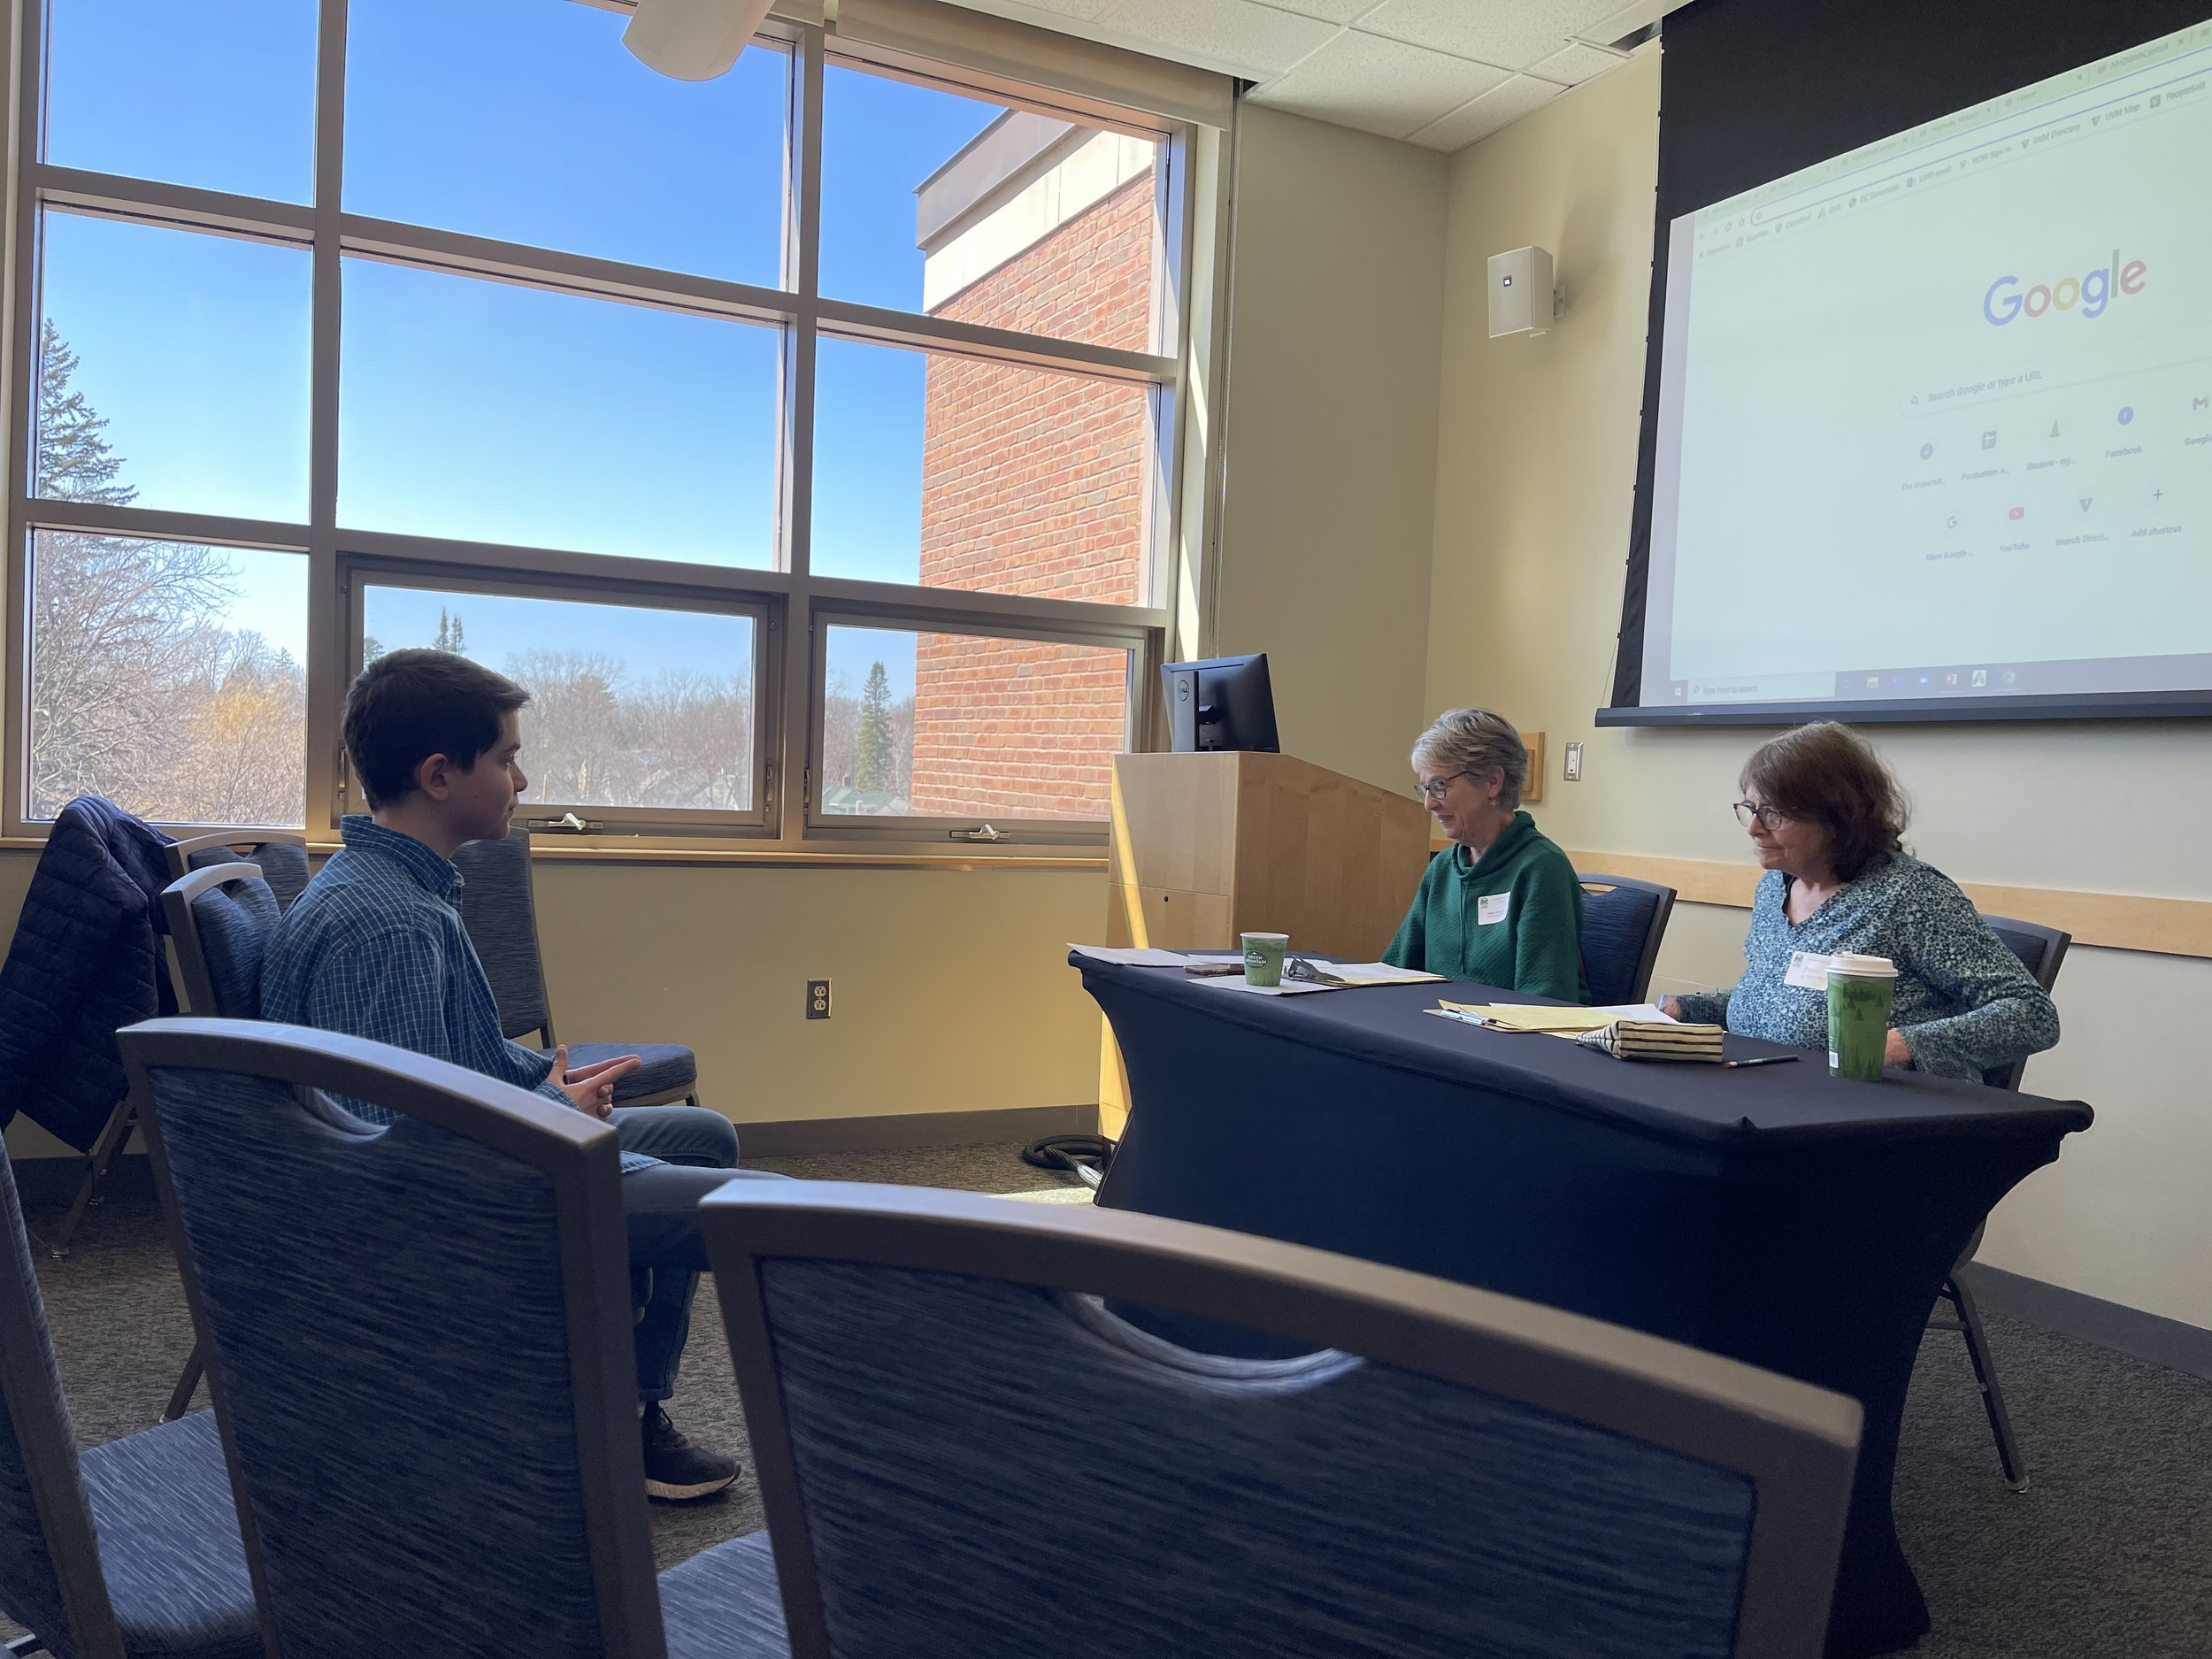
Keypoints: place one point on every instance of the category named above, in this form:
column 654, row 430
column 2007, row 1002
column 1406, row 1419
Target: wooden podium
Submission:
column 1207, row 847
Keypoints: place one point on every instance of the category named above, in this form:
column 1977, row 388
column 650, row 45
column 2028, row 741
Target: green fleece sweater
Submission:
column 1511, row 919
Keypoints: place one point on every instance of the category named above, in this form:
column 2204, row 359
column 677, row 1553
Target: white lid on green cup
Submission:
column 1857, row 967
column 1265, row 939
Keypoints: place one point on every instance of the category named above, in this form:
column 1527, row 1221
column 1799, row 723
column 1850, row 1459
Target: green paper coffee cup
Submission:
column 1860, row 992
column 1264, row 958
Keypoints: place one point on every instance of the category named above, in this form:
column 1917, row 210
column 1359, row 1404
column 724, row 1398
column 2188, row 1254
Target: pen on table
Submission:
column 1764, row 1059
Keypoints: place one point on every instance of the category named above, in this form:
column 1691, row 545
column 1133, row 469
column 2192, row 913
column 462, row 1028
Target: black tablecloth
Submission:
column 1774, row 1214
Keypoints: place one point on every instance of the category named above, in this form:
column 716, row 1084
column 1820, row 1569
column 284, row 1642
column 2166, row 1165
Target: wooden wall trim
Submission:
column 2114, row 921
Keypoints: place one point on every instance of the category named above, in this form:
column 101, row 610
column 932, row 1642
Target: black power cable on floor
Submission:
column 1086, row 1155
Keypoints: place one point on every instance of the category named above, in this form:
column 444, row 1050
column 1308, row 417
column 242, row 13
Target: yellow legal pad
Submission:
column 1560, row 1022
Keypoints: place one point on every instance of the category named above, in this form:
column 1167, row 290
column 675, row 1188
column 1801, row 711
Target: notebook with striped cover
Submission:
column 1650, row 1040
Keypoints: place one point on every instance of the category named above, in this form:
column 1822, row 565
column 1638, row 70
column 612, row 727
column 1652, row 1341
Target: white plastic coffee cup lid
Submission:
column 1861, row 967
column 1267, row 939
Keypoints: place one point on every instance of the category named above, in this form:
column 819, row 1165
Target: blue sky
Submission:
column 472, row 409
column 502, row 625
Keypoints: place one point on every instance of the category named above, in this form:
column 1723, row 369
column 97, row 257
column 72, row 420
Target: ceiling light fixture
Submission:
column 692, row 40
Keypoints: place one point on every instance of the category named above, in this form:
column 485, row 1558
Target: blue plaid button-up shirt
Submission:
column 374, row 947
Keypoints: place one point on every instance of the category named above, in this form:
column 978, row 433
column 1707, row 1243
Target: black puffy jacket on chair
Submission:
column 86, row 959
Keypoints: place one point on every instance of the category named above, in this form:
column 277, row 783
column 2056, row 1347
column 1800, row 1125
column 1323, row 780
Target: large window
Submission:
column 805, row 441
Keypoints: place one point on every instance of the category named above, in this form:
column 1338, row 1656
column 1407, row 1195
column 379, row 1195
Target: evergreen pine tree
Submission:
column 451, row 637
column 876, row 769
column 74, row 462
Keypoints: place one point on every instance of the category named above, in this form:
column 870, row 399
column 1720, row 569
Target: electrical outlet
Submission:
column 818, row 999
column 1574, row 762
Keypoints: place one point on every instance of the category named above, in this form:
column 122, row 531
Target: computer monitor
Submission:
column 1223, row 702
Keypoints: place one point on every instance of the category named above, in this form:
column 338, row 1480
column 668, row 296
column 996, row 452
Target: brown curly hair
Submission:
column 1827, row 774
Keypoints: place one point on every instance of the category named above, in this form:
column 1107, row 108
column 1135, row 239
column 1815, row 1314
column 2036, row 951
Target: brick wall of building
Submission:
column 1034, row 483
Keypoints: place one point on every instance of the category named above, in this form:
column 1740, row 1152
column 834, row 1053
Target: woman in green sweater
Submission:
column 1502, row 906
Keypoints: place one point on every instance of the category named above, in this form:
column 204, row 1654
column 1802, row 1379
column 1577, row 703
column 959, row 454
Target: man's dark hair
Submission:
column 409, row 705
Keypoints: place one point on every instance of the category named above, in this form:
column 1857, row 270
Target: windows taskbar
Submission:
column 2073, row 705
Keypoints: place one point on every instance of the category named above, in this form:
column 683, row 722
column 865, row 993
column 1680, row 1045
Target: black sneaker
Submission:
column 674, row 1468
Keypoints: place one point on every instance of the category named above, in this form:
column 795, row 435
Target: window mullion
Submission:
column 794, row 736
column 330, row 635
column 22, row 394
column 155, row 202
column 874, row 323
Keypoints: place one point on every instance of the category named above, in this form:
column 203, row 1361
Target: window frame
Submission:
column 360, row 573
column 964, row 832
column 791, row 604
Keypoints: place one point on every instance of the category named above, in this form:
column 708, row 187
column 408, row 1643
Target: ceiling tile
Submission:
column 1044, row 13
column 1327, row 11
column 1572, row 65
column 1488, row 113
column 1233, row 35
column 1514, row 33
column 1379, row 86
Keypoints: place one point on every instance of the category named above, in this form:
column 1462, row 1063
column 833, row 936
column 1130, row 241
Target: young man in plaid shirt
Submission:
column 375, row 948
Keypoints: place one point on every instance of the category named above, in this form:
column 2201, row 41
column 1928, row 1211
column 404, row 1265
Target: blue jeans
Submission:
column 698, row 1150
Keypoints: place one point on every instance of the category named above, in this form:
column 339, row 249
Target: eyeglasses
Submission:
column 1437, row 788
column 1746, row 812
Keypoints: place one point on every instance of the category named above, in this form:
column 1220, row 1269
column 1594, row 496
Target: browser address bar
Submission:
column 2066, row 371
column 2070, row 107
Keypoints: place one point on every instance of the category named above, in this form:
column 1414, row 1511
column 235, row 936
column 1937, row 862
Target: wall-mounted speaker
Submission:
column 1522, row 299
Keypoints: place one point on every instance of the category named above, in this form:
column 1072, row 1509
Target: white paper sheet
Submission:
column 1131, row 956
column 1379, row 973
column 1235, row 982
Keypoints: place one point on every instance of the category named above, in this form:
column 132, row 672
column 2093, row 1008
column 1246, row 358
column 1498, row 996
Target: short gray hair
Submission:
column 1476, row 740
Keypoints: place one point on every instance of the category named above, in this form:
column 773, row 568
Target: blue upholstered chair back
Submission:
column 1622, row 928
column 421, row 1343
column 283, row 866
column 968, row 1464
column 44, row 1514
column 500, row 913
column 221, row 920
column 2042, row 951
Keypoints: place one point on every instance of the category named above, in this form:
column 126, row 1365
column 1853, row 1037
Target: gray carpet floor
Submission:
column 2109, row 1554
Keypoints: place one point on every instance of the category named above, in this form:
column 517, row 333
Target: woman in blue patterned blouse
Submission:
column 1828, row 822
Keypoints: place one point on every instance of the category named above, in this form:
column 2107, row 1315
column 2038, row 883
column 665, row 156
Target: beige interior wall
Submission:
column 1337, row 302
column 1536, row 471
column 949, row 988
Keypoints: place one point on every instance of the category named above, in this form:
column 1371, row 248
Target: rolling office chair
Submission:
column 962, row 1452
column 499, row 909
column 449, row 1288
column 1624, row 921
column 2041, row 949
column 129, row 1550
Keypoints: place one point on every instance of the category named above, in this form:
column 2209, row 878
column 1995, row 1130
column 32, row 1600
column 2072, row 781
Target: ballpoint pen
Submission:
column 1764, row 1059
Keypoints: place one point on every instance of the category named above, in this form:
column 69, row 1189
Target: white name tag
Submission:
column 1809, row 971
column 1490, row 907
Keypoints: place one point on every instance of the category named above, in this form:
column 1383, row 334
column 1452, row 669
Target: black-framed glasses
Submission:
column 1747, row 811
column 1437, row 788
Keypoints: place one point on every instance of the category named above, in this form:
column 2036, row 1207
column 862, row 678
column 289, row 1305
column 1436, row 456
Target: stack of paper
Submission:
column 1236, row 982
column 1557, row 1022
column 1377, row 973
column 1131, row 956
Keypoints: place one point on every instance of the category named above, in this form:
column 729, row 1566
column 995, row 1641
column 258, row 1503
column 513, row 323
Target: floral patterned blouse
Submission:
column 1964, row 1003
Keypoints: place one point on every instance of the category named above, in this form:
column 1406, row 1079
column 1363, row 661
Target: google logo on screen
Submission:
column 2093, row 293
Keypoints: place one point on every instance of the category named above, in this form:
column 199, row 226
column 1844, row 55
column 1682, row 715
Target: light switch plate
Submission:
column 1573, row 773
